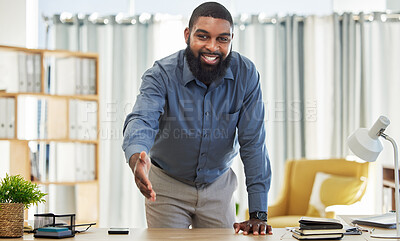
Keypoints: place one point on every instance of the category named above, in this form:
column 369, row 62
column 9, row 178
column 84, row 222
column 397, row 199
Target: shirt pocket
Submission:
column 227, row 123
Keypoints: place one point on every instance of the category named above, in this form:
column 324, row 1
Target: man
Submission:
column 194, row 109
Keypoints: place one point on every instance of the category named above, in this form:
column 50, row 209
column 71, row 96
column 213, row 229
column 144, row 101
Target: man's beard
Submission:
column 210, row 74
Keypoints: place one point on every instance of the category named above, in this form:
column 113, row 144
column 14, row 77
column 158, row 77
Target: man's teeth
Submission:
column 210, row 58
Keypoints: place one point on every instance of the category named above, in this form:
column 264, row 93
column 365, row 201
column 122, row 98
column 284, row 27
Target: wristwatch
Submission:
column 259, row 215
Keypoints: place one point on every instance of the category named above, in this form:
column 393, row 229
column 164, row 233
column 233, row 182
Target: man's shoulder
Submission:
column 240, row 63
column 172, row 61
column 166, row 66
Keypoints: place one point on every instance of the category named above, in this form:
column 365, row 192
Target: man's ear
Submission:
column 186, row 34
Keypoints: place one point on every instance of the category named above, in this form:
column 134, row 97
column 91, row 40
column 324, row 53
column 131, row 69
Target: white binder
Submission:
column 3, row 117
column 9, row 71
column 73, row 125
column 30, row 74
column 92, row 77
column 10, row 118
column 37, row 73
column 65, row 76
column 22, row 76
column 65, row 162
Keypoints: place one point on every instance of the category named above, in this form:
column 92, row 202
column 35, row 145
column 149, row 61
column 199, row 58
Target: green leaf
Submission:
column 15, row 189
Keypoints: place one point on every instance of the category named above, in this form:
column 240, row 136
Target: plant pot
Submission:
column 11, row 220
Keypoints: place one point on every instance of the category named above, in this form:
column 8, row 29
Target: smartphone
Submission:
column 118, row 231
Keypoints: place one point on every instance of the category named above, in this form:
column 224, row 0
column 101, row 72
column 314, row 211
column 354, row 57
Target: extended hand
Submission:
column 254, row 226
column 141, row 172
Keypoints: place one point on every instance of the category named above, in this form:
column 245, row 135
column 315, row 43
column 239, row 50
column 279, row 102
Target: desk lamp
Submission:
column 366, row 145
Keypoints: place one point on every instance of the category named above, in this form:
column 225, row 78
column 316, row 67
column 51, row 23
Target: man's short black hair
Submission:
column 210, row 9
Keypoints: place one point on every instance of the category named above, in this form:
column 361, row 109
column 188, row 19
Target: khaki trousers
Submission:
column 180, row 204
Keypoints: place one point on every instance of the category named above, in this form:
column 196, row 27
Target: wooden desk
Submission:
column 346, row 220
column 99, row 234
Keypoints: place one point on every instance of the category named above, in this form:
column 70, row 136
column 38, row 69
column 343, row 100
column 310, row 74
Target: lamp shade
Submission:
column 365, row 143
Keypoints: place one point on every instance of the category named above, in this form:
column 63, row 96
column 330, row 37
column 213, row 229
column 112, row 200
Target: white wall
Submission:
column 359, row 5
column 13, row 22
column 393, row 5
column 269, row 7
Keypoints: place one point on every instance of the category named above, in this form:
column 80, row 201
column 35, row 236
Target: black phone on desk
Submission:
column 118, row 231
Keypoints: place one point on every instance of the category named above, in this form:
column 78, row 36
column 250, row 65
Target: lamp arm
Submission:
column 396, row 180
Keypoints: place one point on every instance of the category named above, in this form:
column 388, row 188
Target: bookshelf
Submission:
column 49, row 125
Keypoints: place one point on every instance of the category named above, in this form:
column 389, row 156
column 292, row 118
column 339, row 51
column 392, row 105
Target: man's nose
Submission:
column 212, row 45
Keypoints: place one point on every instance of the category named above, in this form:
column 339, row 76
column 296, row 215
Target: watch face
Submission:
column 262, row 216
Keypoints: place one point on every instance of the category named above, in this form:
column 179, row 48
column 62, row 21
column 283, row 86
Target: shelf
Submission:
column 55, row 121
column 58, row 53
column 42, row 95
column 95, row 142
column 66, row 183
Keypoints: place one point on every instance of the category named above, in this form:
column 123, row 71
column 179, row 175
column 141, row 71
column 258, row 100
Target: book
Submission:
column 313, row 223
column 387, row 220
column 53, row 229
column 54, row 232
column 317, row 236
column 319, row 231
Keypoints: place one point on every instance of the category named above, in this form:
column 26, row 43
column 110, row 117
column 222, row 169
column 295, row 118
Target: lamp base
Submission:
column 386, row 235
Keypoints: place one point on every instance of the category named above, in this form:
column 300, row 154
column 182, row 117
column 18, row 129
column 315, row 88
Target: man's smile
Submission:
column 210, row 59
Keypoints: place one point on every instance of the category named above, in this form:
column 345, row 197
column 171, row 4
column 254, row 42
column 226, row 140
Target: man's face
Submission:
column 209, row 45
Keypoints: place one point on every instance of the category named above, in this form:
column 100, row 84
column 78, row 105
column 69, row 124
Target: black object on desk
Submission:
column 118, row 231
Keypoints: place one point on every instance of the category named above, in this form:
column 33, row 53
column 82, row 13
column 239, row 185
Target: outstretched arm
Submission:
column 140, row 165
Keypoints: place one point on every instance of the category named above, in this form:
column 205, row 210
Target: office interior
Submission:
column 327, row 67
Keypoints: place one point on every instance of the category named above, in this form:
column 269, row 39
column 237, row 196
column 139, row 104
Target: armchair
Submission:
column 294, row 198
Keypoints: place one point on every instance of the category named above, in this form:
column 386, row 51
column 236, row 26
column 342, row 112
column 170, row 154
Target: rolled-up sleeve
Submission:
column 141, row 125
column 253, row 150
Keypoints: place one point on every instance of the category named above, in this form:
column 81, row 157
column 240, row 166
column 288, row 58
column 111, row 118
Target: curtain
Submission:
column 321, row 76
column 275, row 46
column 127, row 46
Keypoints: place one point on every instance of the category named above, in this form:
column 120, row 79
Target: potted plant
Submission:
column 16, row 194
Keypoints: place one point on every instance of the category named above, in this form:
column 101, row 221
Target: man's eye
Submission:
column 202, row 36
column 224, row 40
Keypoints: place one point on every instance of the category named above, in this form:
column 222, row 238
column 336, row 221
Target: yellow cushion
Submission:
column 330, row 190
column 284, row 221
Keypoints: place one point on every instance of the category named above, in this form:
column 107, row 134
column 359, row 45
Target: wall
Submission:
column 13, row 22
column 359, row 5
column 393, row 5
column 268, row 7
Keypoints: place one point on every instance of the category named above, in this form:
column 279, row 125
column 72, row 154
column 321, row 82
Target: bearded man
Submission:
column 196, row 110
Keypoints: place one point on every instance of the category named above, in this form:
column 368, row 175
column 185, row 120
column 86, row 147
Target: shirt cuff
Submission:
column 132, row 149
column 258, row 202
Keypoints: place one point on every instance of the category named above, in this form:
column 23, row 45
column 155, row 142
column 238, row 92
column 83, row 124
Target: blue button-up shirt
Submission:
column 193, row 132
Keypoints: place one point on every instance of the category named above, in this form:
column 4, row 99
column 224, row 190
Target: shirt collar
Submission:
column 188, row 75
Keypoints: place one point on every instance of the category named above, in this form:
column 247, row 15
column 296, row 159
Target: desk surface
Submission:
column 99, row 234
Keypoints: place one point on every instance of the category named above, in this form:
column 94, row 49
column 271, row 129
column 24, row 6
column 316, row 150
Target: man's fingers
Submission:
column 256, row 228
column 236, row 226
column 262, row 228
column 145, row 181
column 144, row 158
column 269, row 229
column 147, row 192
column 246, row 228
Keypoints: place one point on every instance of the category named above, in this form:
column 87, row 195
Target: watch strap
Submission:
column 259, row 215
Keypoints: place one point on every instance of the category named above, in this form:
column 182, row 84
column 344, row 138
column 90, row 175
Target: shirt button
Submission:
column 199, row 169
column 205, row 135
column 207, row 113
column 203, row 154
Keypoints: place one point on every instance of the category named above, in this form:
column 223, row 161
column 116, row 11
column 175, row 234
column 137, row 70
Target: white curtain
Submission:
column 127, row 46
column 322, row 77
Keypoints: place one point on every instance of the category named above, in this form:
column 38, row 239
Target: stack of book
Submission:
column 53, row 232
column 312, row 228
